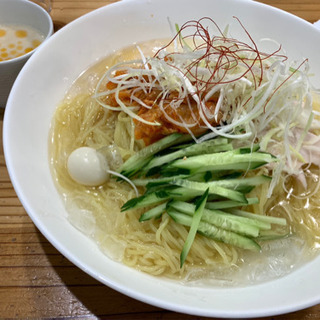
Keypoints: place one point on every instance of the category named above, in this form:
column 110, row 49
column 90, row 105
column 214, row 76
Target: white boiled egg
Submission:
column 88, row 167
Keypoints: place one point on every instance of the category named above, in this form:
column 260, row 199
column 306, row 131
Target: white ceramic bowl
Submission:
column 20, row 12
column 41, row 86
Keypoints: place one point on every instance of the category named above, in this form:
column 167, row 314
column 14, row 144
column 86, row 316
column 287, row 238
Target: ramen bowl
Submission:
column 42, row 85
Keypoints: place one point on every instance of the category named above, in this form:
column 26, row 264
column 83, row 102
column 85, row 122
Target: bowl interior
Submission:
column 43, row 83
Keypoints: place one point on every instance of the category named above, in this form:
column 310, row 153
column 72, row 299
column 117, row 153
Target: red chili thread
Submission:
column 229, row 53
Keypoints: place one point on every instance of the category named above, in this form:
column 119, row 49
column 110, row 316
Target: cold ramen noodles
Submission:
column 194, row 158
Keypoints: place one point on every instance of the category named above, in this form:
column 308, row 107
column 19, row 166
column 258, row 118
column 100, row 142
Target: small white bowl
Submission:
column 41, row 86
column 20, row 12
